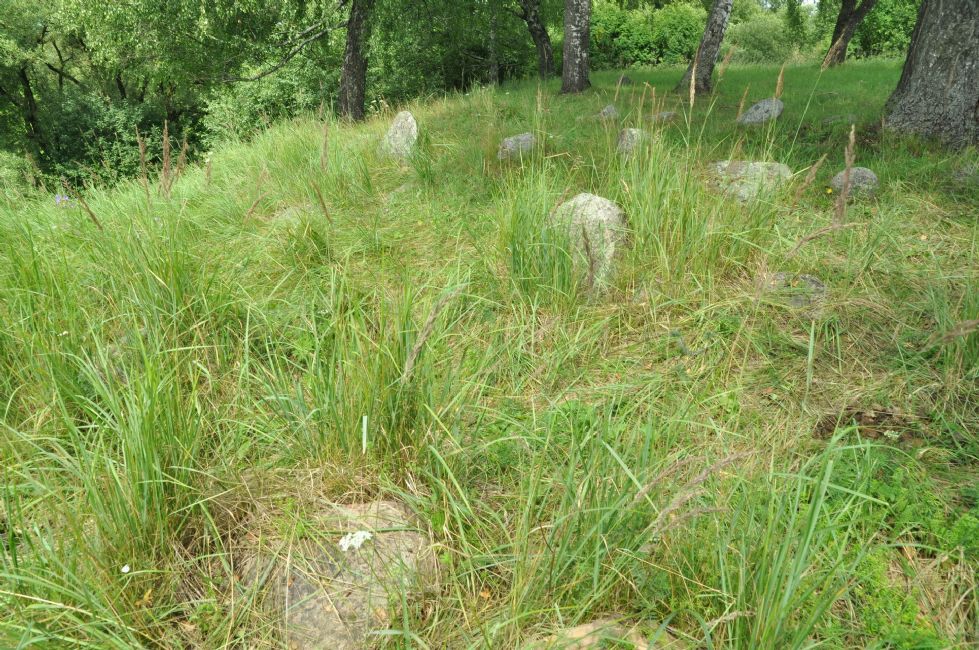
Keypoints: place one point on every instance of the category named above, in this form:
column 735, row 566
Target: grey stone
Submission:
column 608, row 113
column 596, row 231
column 400, row 139
column 664, row 116
column 629, row 140
column 745, row 180
column 863, row 182
column 332, row 585
column 967, row 175
column 625, row 80
column 605, row 633
column 796, row 290
column 764, row 111
column 516, row 146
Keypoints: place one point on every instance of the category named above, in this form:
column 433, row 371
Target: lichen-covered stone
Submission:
column 863, row 182
column 516, row 146
column 595, row 228
column 629, row 140
column 746, row 179
column 401, row 137
column 332, row 586
column 764, row 111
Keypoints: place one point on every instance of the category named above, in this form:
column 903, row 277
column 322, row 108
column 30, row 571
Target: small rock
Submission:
column 516, row 146
column 967, row 175
column 400, row 139
column 747, row 179
column 763, row 111
column 624, row 80
column 603, row 633
column 333, row 589
column 863, row 182
column 796, row 290
column 596, row 230
column 629, row 140
column 608, row 113
column 664, row 116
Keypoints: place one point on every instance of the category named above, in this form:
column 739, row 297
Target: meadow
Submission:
column 188, row 359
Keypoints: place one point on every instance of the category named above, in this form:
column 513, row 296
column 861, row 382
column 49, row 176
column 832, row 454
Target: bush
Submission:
column 677, row 29
column 622, row 38
column 886, row 31
column 14, row 174
column 761, row 39
column 243, row 109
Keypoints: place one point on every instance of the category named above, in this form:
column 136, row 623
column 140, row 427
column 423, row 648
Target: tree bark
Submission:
column 353, row 72
column 530, row 13
column 710, row 45
column 32, row 123
column 938, row 94
column 577, row 32
column 847, row 21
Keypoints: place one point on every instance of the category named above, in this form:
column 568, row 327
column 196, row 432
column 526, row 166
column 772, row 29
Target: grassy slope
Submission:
column 218, row 350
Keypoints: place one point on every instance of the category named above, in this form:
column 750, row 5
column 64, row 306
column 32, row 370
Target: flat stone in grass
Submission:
column 863, row 182
column 516, row 146
column 604, row 633
column 746, row 179
column 796, row 290
column 596, row 230
column 333, row 584
column 608, row 113
column 764, row 111
column 401, row 137
column 629, row 140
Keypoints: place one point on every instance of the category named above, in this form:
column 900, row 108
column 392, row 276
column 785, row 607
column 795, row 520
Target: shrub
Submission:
column 621, row 37
column 14, row 174
column 761, row 39
column 242, row 109
column 677, row 29
column 886, row 31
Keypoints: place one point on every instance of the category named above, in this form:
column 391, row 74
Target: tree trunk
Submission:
column 938, row 94
column 353, row 72
column 710, row 46
column 847, row 22
column 494, row 46
column 542, row 40
column 577, row 31
column 32, row 123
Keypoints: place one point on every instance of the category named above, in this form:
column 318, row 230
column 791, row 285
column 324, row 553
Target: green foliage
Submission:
column 889, row 615
column 239, row 111
column 677, row 29
column 644, row 36
column 886, row 30
column 761, row 38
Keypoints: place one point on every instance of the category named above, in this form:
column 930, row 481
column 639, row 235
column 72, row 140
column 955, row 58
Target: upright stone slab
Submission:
column 332, row 586
column 595, row 229
column 625, row 80
column 863, row 182
column 516, row 146
column 764, row 111
column 400, row 139
column 746, row 179
column 629, row 140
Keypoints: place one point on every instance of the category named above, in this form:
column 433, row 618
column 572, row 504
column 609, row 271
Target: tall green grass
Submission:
column 307, row 320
